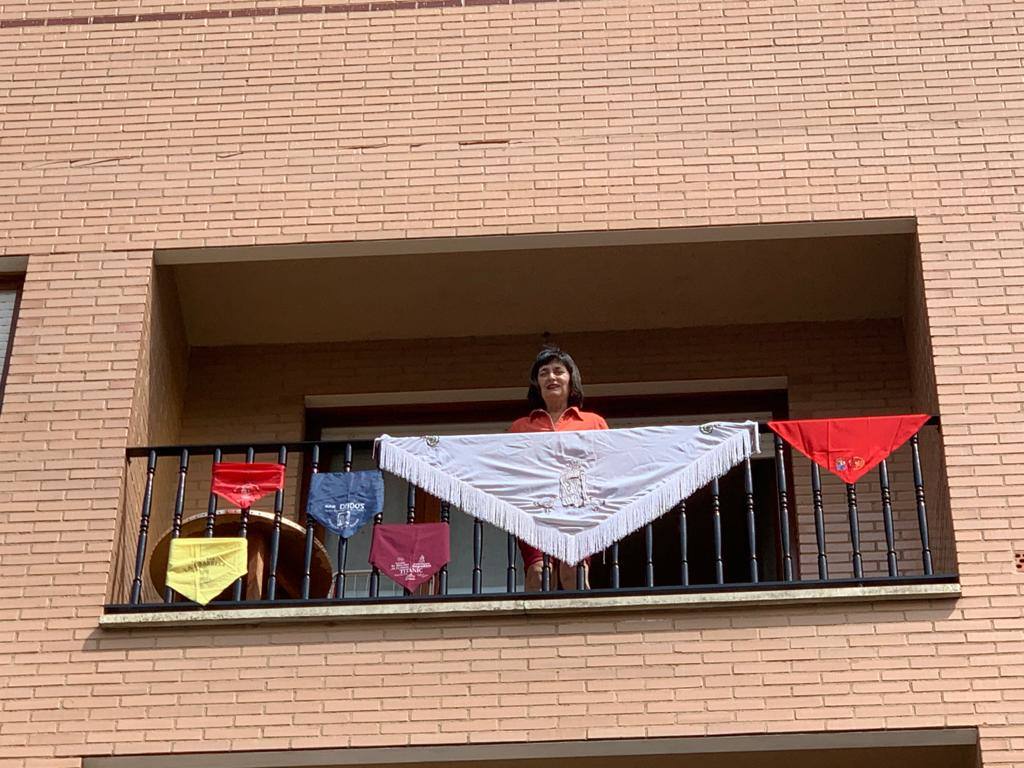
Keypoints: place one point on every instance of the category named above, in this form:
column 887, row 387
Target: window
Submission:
column 10, row 298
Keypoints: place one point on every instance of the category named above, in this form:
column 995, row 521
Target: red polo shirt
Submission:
column 572, row 420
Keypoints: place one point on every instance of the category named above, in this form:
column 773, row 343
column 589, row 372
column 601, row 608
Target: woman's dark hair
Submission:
column 551, row 355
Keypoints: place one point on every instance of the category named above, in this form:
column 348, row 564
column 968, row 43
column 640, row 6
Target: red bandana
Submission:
column 410, row 554
column 848, row 448
column 245, row 484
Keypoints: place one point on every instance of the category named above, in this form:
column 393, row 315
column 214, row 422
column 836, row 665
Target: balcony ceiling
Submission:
column 555, row 289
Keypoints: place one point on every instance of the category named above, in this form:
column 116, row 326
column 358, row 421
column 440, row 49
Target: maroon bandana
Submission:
column 849, row 448
column 410, row 554
column 245, row 484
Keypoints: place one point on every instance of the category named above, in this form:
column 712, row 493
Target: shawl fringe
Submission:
column 571, row 548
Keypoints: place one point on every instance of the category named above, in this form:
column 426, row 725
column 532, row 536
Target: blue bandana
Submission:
column 343, row 502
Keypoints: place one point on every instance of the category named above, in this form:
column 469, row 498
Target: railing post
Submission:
column 211, row 504
column 307, row 557
column 341, row 553
column 478, row 554
column 510, row 572
column 851, row 506
column 748, row 489
column 649, row 555
column 140, row 547
column 922, row 510
column 179, row 509
column 243, row 532
column 684, row 547
column 890, row 538
column 275, row 538
column 615, row 578
column 410, row 517
column 819, row 521
column 716, row 520
column 446, row 511
column 780, row 479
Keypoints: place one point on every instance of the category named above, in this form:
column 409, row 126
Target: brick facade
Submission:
column 125, row 136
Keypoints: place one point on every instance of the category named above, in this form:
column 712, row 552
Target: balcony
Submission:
column 774, row 523
column 290, row 370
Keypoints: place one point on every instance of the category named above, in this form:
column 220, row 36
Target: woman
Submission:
column 555, row 395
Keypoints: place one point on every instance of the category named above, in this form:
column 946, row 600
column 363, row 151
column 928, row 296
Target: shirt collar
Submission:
column 572, row 412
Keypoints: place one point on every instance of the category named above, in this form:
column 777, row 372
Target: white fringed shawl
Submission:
column 570, row 494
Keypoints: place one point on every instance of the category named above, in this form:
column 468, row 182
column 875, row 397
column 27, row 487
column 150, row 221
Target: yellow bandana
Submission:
column 200, row 569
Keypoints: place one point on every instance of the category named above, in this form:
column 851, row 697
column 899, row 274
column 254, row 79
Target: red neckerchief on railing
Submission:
column 245, row 484
column 410, row 554
column 850, row 447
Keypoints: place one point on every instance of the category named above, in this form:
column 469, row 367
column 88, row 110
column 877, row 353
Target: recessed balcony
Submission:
column 303, row 355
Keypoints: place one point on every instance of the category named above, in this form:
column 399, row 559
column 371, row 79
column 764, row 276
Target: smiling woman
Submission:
column 555, row 394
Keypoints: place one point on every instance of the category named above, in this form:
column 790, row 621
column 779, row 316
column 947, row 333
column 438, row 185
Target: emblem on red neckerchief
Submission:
column 844, row 463
column 411, row 571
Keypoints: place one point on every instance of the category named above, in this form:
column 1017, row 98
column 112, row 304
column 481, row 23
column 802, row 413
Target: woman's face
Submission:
column 553, row 381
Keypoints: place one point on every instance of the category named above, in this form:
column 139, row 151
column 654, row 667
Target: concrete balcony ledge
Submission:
column 123, row 617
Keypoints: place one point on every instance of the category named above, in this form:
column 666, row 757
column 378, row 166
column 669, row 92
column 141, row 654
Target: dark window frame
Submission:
column 17, row 284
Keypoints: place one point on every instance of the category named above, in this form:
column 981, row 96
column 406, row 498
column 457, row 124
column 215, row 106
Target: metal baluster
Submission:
column 684, row 547
column 275, row 538
column 243, row 532
column 478, row 554
column 410, row 517
column 179, row 508
column 341, row 554
column 780, row 479
column 819, row 521
column 851, row 506
column 748, row 488
column 510, row 573
column 307, row 558
column 649, row 555
column 890, row 537
column 140, row 547
column 581, row 576
column 614, row 566
column 545, row 574
column 211, row 505
column 716, row 519
column 922, row 511
column 445, row 518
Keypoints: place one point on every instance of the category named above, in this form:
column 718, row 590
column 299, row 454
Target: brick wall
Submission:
column 832, row 368
column 460, row 121
column 922, row 377
column 62, row 434
column 156, row 420
column 121, row 138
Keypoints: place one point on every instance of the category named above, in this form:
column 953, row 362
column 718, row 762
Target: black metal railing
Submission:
column 742, row 532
